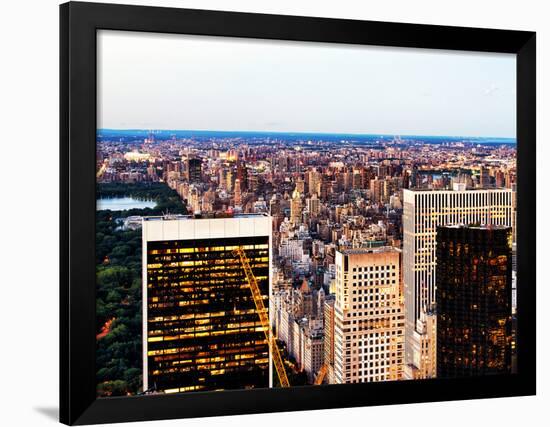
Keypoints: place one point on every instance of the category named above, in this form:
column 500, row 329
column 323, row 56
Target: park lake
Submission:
column 123, row 203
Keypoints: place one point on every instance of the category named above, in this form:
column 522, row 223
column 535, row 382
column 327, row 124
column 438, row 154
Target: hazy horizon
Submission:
column 290, row 132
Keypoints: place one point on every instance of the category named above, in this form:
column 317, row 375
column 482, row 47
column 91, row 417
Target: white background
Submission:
column 29, row 210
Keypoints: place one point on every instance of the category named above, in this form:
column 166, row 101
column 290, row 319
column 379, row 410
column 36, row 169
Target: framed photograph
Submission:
column 268, row 213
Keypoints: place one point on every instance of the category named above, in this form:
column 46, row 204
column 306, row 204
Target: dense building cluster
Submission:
column 355, row 227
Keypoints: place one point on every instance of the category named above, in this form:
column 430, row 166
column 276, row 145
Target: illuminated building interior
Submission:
column 203, row 332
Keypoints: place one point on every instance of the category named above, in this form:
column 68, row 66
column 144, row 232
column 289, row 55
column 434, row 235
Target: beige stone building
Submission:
column 368, row 316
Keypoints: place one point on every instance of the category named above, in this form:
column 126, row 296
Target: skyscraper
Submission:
column 423, row 211
column 201, row 330
column 242, row 175
column 194, row 170
column 314, row 181
column 238, row 199
column 296, row 208
column 474, row 294
column 368, row 317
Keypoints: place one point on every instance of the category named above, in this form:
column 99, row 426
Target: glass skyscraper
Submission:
column 202, row 331
column 474, row 296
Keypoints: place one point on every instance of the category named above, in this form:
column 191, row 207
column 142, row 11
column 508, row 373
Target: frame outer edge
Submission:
column 526, row 206
column 77, row 198
column 64, row 358
column 78, row 23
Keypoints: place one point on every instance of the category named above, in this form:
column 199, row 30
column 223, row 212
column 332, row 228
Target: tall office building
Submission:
column 314, row 182
column 242, row 175
column 238, row 194
column 474, row 294
column 296, row 208
column 368, row 316
column 423, row 211
column 201, row 330
column 194, row 170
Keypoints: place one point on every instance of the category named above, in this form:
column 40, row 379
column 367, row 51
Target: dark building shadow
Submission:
column 50, row 412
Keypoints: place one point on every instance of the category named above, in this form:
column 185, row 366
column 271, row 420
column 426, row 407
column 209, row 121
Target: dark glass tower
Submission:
column 194, row 170
column 474, row 293
column 242, row 176
column 203, row 330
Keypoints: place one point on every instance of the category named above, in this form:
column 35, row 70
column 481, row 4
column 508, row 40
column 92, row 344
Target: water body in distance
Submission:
column 123, row 203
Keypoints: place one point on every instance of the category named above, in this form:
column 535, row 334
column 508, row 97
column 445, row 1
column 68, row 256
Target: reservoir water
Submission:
column 123, row 203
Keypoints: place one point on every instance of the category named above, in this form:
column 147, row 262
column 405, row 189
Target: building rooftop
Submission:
column 359, row 251
column 451, row 190
column 204, row 216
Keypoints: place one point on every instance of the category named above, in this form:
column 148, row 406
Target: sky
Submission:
column 169, row 81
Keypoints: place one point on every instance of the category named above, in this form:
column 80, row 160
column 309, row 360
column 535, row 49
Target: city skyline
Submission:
column 352, row 242
column 290, row 132
column 196, row 82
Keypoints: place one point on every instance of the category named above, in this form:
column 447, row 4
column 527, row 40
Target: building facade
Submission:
column 194, row 170
column 296, row 208
column 424, row 211
column 368, row 316
column 313, row 352
column 474, row 301
column 201, row 330
column 424, row 351
column 328, row 346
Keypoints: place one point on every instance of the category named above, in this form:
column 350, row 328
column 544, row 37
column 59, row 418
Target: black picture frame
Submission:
column 79, row 23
